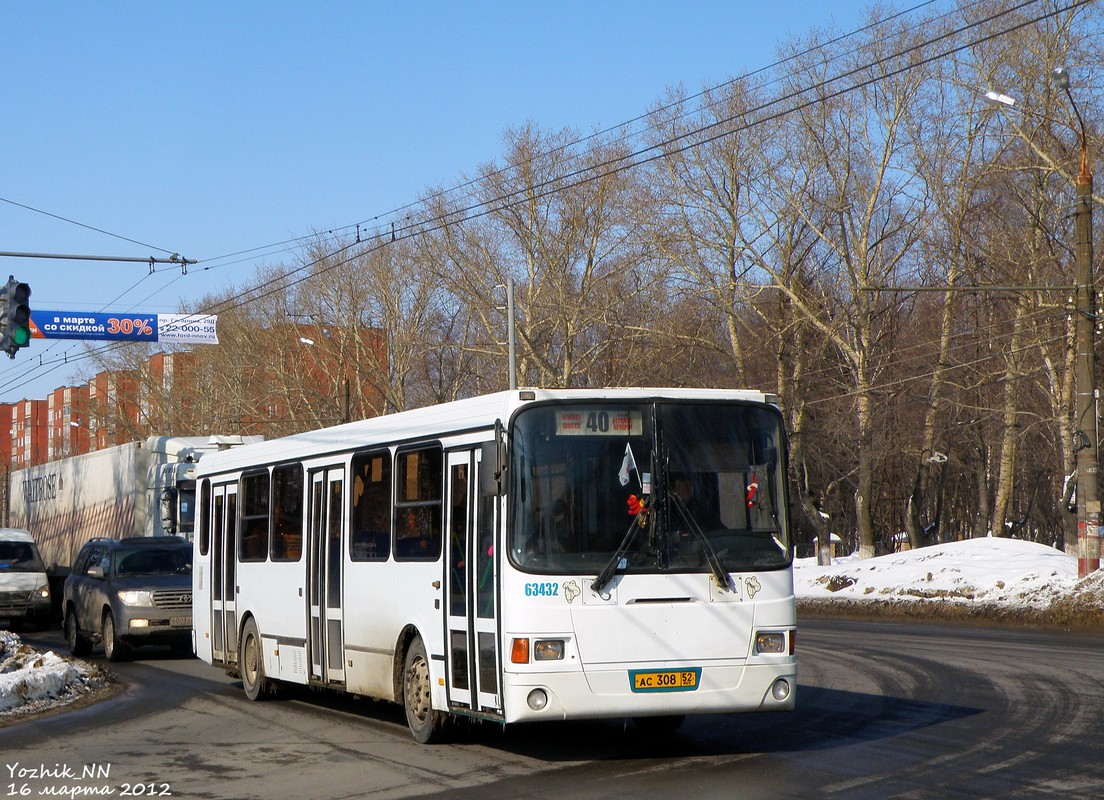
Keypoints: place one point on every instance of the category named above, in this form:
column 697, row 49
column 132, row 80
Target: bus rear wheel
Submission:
column 426, row 725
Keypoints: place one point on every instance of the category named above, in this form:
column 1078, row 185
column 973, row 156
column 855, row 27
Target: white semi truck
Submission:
column 144, row 488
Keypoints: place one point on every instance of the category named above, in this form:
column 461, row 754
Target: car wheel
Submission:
column 79, row 644
column 251, row 663
column 425, row 724
column 114, row 648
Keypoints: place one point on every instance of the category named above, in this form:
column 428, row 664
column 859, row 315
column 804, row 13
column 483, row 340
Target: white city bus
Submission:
column 522, row 556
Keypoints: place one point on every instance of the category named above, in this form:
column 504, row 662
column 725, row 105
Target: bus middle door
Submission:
column 325, row 534
column 472, row 635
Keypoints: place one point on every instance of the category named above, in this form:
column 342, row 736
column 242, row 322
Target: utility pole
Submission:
column 1085, row 425
column 1085, row 441
column 511, row 332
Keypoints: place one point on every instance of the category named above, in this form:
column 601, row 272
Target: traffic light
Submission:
column 15, row 316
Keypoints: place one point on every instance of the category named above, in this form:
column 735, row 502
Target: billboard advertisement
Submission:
column 167, row 328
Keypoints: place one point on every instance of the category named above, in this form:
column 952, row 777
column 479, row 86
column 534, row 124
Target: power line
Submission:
column 82, row 225
column 619, row 126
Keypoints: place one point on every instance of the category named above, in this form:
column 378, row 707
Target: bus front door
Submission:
column 324, row 575
column 223, row 527
column 472, row 629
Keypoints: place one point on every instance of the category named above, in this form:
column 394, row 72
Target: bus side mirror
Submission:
column 168, row 510
column 492, row 465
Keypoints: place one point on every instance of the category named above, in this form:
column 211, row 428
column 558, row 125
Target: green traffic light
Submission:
column 15, row 316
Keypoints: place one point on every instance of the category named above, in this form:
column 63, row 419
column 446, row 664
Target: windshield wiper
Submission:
column 611, row 568
column 711, row 556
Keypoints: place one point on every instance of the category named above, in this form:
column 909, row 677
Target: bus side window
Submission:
column 287, row 512
column 370, row 538
column 253, row 545
column 419, row 493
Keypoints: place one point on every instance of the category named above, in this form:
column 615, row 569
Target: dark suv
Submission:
column 129, row 592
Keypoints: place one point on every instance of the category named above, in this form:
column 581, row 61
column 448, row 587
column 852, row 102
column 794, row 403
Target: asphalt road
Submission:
column 884, row 710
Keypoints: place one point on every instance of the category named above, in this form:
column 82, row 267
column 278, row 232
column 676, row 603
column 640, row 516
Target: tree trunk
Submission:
column 981, row 521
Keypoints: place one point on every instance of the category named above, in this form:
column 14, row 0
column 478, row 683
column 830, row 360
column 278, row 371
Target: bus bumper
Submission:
column 609, row 692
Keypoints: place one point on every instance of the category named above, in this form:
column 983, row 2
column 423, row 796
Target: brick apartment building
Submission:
column 162, row 396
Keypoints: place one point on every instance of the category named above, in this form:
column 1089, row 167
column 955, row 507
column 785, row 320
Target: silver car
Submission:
column 125, row 593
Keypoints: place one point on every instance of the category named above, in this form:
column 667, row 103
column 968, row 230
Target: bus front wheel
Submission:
column 252, row 662
column 425, row 724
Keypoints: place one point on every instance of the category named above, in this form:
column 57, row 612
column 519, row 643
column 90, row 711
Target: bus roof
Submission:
column 476, row 413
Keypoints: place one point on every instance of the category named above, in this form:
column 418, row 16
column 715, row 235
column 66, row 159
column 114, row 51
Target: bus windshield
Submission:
column 643, row 487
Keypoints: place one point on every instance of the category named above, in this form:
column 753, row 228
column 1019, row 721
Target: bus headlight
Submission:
column 548, row 650
column 770, row 643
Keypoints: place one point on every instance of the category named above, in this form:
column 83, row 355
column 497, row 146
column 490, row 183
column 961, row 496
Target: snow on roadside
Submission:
column 999, row 571
column 992, row 577
column 32, row 681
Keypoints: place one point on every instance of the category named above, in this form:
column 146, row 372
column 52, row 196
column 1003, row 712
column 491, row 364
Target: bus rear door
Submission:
column 472, row 625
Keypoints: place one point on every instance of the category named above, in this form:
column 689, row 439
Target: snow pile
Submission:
column 1001, row 571
column 992, row 578
column 31, row 680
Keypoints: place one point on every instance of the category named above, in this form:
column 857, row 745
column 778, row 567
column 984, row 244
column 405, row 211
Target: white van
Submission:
column 24, row 587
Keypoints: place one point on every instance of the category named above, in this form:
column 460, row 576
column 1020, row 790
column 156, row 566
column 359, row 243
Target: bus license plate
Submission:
column 668, row 680
column 180, row 622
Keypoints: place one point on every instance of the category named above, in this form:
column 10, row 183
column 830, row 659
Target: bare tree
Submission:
column 560, row 220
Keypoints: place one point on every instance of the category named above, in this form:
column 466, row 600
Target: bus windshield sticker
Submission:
column 599, row 422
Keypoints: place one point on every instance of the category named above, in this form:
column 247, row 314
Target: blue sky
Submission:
column 210, row 128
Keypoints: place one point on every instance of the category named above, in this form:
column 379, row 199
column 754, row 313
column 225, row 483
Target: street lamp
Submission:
column 1085, row 439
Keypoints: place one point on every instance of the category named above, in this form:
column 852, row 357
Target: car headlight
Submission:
column 136, row 597
column 43, row 592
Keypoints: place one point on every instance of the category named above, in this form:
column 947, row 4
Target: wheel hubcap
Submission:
column 250, row 660
column 417, row 689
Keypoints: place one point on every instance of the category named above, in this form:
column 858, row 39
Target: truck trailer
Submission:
column 143, row 488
